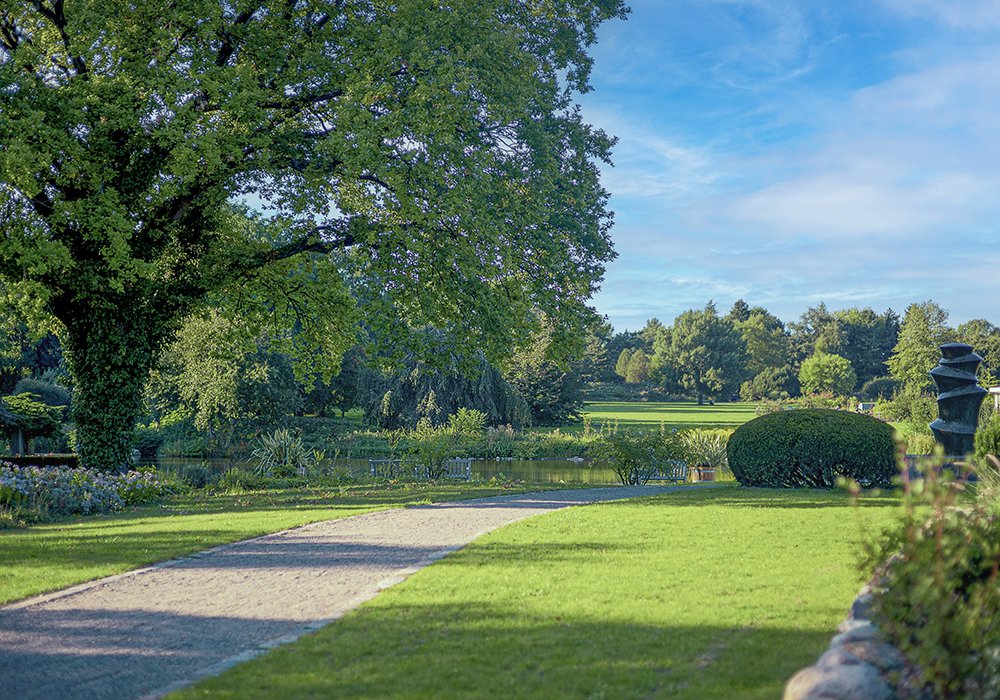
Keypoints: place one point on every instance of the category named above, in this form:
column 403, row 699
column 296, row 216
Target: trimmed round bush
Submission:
column 812, row 447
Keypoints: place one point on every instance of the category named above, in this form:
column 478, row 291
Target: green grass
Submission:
column 641, row 414
column 720, row 593
column 55, row 555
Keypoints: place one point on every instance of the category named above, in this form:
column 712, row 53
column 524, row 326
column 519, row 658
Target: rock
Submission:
column 850, row 623
column 864, row 631
column 854, row 682
column 885, row 657
column 861, row 609
column 838, row 656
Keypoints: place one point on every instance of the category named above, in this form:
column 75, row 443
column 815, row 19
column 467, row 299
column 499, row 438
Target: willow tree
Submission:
column 422, row 158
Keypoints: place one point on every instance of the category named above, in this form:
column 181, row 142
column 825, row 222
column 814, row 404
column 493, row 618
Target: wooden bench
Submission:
column 675, row 470
column 459, row 468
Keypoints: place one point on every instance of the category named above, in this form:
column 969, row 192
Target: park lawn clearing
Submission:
column 652, row 414
column 55, row 555
column 715, row 593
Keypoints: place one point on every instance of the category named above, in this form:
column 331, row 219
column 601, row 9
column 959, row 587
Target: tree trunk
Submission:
column 111, row 354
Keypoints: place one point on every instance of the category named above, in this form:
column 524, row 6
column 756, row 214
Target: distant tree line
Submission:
column 752, row 354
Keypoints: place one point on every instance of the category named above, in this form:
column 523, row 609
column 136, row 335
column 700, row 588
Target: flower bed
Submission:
column 41, row 491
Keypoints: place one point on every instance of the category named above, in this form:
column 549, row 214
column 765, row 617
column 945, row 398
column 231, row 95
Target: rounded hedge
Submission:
column 812, row 447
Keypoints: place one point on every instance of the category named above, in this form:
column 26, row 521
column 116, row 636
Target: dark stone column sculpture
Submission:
column 959, row 398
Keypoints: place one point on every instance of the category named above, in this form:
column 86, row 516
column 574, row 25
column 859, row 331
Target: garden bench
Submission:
column 672, row 470
column 394, row 468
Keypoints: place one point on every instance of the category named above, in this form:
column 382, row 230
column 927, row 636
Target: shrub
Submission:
column 282, row 454
column 919, row 443
column 633, row 455
column 467, row 422
column 987, row 440
column 839, row 402
column 197, row 476
column 432, row 447
column 499, row 442
column 706, row 448
column 910, row 406
column 879, row 389
column 813, row 448
column 937, row 590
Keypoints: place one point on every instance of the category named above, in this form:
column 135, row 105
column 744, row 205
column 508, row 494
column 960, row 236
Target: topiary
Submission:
column 813, row 448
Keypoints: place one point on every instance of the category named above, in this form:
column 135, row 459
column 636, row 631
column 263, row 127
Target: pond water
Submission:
column 537, row 471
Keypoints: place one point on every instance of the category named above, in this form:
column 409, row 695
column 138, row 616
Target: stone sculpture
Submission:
column 959, row 398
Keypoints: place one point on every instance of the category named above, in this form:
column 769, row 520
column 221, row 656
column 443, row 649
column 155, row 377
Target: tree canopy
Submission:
column 924, row 328
column 424, row 161
column 706, row 351
column 824, row 372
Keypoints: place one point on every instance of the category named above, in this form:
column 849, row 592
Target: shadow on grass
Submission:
column 470, row 651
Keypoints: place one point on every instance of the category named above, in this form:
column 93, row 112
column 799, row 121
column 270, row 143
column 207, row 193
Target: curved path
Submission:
column 151, row 631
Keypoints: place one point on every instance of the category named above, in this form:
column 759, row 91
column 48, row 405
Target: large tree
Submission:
column 706, row 352
column 768, row 345
column 817, row 330
column 868, row 340
column 427, row 155
column 924, row 328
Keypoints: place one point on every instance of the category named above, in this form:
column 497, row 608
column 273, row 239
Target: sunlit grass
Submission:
column 55, row 555
column 721, row 593
column 651, row 414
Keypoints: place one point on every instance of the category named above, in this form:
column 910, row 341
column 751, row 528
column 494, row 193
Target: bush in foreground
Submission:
column 937, row 590
column 812, row 448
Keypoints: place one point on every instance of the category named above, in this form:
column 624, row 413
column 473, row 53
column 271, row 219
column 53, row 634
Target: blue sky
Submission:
column 789, row 153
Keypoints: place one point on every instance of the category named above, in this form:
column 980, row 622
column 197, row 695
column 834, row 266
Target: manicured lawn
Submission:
column 641, row 414
column 720, row 593
column 56, row 555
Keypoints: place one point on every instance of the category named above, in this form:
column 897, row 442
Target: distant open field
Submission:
column 642, row 414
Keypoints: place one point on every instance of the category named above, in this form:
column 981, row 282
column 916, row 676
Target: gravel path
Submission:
column 151, row 631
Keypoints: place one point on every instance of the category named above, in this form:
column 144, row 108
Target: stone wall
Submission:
column 859, row 665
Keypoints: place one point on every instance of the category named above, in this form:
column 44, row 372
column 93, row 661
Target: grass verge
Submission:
column 56, row 555
column 721, row 593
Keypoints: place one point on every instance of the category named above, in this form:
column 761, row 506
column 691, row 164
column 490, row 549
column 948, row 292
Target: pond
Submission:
column 536, row 471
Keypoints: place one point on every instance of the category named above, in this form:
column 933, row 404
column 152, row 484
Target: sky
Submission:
column 796, row 152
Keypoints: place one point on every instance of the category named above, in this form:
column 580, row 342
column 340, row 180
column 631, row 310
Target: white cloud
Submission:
column 916, row 155
column 649, row 165
column 969, row 15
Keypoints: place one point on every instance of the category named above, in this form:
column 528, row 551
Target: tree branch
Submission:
column 9, row 39
column 228, row 47
column 57, row 17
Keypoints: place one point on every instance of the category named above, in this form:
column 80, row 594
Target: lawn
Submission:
column 55, row 555
column 642, row 414
column 721, row 593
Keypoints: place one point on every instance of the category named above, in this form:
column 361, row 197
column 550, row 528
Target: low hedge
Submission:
column 813, row 448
